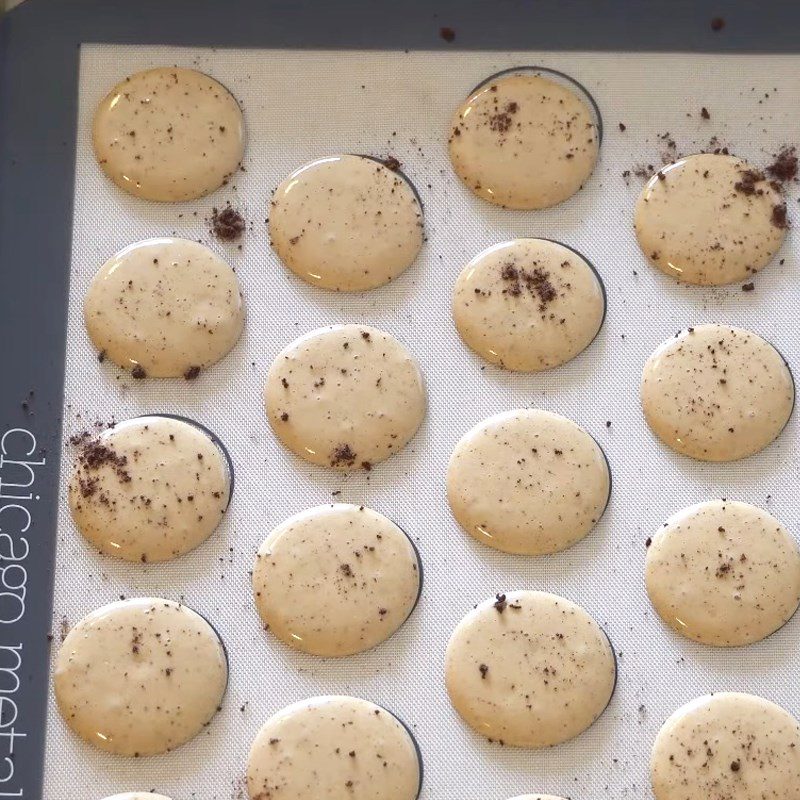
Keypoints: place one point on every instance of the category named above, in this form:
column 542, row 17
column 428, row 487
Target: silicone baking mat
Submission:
column 299, row 105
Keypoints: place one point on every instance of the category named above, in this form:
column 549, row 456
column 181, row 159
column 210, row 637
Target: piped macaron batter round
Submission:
column 717, row 393
column 528, row 304
column 169, row 134
column 340, row 748
column 346, row 222
column 710, row 219
column 164, row 308
column 138, row 796
column 528, row 481
column 529, row 669
column 148, row 489
column 729, row 745
column 336, row 580
column 140, row 677
column 347, row 396
column 537, row 797
column 723, row 573
column 523, row 140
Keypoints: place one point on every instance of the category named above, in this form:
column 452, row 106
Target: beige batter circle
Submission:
column 727, row 746
column 724, row 573
column 149, row 489
column 138, row 796
column 528, row 304
column 336, row 580
column 346, row 222
column 537, row 797
column 346, row 397
column 528, row 482
column 339, row 748
column 717, row 393
column 708, row 219
column 521, row 140
column 140, row 677
column 169, row 134
column 529, row 669
column 164, row 308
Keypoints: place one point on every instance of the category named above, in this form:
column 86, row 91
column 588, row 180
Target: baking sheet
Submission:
column 303, row 104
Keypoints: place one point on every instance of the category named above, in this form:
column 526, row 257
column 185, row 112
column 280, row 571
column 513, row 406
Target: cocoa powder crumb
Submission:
column 747, row 184
column 228, row 224
column 501, row 121
column 779, row 218
column 784, row 167
column 536, row 281
column 94, row 455
column 390, row 162
column 343, row 454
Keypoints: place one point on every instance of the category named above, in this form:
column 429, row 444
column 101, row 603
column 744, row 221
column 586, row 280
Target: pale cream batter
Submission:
column 347, row 396
column 724, row 573
column 140, row 677
column 339, row 748
column 164, row 308
column 346, row 222
column 336, row 580
column 528, row 482
column 536, row 797
column 710, row 219
column 138, row 796
column 522, row 140
column 727, row 746
column 528, row 304
column 149, row 489
column 529, row 669
column 169, row 134
column 717, row 393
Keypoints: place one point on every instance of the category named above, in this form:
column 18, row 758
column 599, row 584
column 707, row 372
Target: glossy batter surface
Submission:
column 710, row 219
column 528, row 482
column 521, row 140
column 149, row 489
column 727, row 746
column 138, row 796
column 529, row 669
column 345, row 397
column 346, row 222
column 724, row 573
column 140, row 677
column 336, row 580
column 340, row 748
column 536, row 797
column 717, row 393
column 528, row 304
column 164, row 308
column 169, row 134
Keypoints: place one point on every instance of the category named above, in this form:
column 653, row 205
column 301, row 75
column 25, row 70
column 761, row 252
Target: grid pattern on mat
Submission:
column 301, row 105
